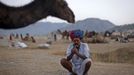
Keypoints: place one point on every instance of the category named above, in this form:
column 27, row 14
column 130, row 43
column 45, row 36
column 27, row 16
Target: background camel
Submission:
column 17, row 17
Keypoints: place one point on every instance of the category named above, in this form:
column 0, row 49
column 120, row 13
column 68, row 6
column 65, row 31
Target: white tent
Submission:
column 18, row 44
column 44, row 46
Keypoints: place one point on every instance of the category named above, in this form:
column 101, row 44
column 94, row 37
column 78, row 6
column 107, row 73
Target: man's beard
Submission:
column 77, row 46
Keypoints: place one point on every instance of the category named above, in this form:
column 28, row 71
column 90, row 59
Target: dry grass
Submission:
column 121, row 55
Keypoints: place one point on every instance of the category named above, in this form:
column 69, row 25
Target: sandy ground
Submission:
column 35, row 61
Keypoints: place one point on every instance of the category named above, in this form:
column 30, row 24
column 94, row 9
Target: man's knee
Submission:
column 63, row 61
column 88, row 63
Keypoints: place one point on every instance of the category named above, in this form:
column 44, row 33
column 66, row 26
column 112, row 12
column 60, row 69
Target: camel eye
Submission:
column 64, row 4
column 16, row 3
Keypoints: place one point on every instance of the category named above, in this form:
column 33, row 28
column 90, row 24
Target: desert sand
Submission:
column 36, row 61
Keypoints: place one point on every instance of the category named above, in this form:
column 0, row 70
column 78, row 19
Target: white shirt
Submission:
column 83, row 50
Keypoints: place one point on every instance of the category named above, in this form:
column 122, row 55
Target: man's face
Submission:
column 76, row 41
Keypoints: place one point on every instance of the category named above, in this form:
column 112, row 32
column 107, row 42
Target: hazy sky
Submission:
column 116, row 11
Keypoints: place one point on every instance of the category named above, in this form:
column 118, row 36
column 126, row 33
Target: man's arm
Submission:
column 86, row 53
column 81, row 56
column 70, row 53
column 70, row 56
column 75, row 51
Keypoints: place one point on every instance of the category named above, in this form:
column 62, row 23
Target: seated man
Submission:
column 78, row 61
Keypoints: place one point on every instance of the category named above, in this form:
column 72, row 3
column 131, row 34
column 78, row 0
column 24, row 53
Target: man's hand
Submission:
column 75, row 51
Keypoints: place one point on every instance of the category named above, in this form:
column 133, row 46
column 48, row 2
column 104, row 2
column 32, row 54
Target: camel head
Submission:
column 61, row 10
column 18, row 17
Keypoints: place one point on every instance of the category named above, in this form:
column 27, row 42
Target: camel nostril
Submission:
column 71, row 21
